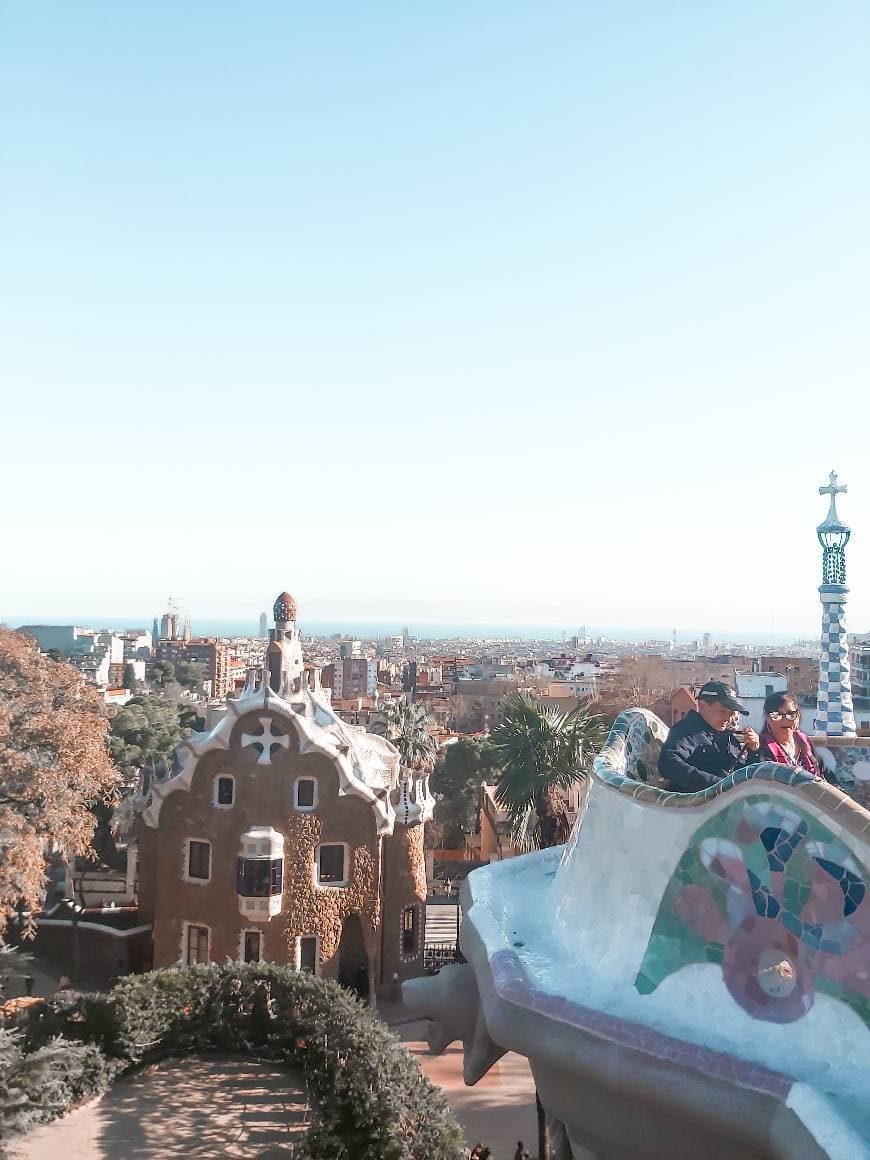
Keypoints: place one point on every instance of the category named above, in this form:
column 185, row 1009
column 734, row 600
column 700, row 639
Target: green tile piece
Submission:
column 755, row 858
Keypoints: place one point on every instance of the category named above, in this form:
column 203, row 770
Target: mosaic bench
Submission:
column 711, row 950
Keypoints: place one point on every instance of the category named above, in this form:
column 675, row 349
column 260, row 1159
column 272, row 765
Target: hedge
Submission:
column 371, row 1101
column 37, row 1086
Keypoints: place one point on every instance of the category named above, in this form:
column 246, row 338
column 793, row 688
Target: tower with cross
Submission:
column 835, row 716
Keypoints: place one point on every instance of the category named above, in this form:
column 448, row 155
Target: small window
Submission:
column 308, row 953
column 197, row 944
column 199, row 860
column 225, row 791
column 330, row 865
column 409, row 930
column 259, row 877
column 305, row 793
column 253, row 946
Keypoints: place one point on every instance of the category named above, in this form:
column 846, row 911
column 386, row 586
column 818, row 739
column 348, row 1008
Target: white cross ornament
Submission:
column 266, row 739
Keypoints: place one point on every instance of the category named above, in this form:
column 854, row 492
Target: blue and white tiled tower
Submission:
column 835, row 716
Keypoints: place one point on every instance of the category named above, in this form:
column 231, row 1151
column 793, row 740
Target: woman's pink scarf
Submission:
column 803, row 756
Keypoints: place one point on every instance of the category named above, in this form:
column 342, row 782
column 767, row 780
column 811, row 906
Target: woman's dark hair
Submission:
column 775, row 702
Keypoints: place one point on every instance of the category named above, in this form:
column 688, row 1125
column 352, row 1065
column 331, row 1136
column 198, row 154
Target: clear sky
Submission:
column 547, row 312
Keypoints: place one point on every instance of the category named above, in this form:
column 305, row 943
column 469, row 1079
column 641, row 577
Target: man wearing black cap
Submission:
column 701, row 749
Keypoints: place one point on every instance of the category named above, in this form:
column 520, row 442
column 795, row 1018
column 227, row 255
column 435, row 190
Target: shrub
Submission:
column 87, row 1018
column 36, row 1086
column 371, row 1101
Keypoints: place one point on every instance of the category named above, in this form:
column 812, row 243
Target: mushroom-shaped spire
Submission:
column 284, row 609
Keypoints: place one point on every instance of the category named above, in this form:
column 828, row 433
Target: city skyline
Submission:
column 315, row 627
column 436, row 315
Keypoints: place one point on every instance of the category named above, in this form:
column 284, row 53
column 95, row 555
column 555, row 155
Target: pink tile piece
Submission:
column 697, row 908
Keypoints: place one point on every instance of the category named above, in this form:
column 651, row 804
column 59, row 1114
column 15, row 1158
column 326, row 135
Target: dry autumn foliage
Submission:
column 53, row 764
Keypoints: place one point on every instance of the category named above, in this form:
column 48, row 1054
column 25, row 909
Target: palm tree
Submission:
column 407, row 727
column 542, row 752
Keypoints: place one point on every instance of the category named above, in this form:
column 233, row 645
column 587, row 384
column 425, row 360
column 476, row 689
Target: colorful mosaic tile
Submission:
column 769, row 892
column 850, row 764
column 635, row 742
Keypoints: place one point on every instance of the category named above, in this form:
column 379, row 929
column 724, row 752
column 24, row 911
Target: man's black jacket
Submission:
column 695, row 756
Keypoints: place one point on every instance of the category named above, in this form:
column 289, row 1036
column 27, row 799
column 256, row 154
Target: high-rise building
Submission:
column 169, row 623
column 264, row 626
column 353, row 677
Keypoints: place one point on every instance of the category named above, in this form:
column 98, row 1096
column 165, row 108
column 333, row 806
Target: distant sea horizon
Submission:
column 233, row 627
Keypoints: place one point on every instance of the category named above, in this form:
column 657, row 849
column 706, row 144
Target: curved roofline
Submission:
column 331, row 740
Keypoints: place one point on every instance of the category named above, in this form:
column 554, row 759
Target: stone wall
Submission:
column 404, row 885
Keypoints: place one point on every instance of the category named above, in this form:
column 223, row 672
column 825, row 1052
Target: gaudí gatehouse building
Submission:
column 287, row 836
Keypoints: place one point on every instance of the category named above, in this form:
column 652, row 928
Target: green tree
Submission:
column 541, row 752
column 162, row 673
column 407, row 727
column 462, row 768
column 144, row 735
column 130, row 680
column 189, row 719
column 189, row 674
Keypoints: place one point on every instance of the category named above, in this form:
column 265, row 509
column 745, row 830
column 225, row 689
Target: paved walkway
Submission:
column 209, row 1107
column 240, row 1109
column 202, row 1107
column 498, row 1110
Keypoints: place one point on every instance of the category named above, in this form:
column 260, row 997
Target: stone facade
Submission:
column 279, row 772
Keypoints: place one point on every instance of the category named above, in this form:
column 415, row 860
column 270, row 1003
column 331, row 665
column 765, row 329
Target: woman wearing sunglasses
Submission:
column 783, row 742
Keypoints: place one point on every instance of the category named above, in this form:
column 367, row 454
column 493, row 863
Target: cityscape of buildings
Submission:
column 458, row 680
column 494, row 784
column 286, row 827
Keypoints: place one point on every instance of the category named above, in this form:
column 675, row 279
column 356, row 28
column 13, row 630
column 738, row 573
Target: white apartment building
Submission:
column 753, row 688
column 138, row 644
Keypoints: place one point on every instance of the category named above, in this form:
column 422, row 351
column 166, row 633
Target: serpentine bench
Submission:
column 689, row 975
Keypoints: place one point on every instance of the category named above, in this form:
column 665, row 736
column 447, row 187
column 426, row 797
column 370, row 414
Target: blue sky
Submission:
column 440, row 312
